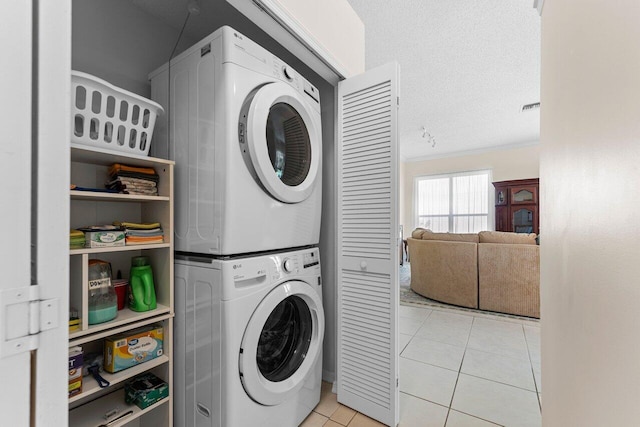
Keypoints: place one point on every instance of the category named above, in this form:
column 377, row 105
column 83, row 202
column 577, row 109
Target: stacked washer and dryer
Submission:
column 244, row 130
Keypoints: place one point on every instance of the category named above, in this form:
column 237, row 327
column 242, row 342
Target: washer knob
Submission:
column 287, row 73
column 287, row 265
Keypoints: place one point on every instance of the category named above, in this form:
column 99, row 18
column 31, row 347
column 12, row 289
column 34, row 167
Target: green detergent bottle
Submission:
column 142, row 292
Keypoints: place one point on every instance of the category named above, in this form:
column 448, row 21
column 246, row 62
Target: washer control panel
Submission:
column 300, row 263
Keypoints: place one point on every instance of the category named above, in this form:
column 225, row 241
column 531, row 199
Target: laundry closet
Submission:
column 123, row 42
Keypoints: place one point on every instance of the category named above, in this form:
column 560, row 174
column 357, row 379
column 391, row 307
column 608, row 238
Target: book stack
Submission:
column 141, row 233
column 133, row 180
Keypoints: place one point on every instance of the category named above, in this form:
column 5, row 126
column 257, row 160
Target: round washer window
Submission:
column 285, row 339
column 288, row 144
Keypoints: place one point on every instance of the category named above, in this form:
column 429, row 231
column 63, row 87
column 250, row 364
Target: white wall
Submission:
column 118, row 42
column 590, row 153
column 515, row 163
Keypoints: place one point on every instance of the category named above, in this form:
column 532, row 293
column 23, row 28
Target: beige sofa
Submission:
column 491, row 270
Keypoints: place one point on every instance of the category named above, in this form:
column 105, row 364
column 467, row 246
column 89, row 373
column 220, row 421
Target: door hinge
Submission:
column 23, row 315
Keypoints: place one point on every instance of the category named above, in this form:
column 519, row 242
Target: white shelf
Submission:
column 92, row 413
column 114, row 197
column 90, row 385
column 118, row 249
column 115, row 331
column 125, row 316
column 106, row 157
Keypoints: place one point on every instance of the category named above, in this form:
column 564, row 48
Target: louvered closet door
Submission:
column 367, row 243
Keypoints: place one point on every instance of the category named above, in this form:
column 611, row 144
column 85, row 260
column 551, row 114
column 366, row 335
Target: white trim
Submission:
column 471, row 152
column 291, row 41
column 53, row 163
column 538, row 4
column 280, row 14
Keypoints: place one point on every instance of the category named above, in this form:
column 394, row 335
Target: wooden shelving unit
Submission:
column 89, row 168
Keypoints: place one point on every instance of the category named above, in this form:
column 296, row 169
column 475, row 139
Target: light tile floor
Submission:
column 457, row 369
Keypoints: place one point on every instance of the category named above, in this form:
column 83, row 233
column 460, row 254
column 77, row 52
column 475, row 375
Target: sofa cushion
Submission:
column 418, row 232
column 505, row 237
column 449, row 237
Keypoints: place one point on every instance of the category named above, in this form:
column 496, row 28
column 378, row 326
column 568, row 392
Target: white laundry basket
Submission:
column 105, row 116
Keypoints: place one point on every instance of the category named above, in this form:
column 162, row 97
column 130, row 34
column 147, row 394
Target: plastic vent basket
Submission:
column 105, row 116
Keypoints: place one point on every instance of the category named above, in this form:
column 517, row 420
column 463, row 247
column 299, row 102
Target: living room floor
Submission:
column 458, row 368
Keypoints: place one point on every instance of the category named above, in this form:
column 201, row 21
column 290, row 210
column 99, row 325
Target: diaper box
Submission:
column 132, row 348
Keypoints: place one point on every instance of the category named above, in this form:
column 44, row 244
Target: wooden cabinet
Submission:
column 517, row 206
column 89, row 169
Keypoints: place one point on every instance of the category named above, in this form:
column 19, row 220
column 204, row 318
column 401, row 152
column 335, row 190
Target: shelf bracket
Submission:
column 23, row 315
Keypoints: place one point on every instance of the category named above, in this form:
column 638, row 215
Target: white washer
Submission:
column 248, row 339
column 245, row 132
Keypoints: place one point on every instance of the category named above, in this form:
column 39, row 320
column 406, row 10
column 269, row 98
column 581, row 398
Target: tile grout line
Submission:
column 535, row 382
column 473, row 319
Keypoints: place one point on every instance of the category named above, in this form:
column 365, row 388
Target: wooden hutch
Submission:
column 517, row 208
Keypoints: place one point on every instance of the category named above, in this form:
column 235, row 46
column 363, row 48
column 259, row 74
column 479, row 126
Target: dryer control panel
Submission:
column 244, row 52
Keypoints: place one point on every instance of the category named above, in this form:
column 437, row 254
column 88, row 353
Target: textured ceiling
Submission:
column 466, row 69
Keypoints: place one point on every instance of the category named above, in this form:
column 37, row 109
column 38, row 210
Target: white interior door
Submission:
column 34, row 167
column 15, row 172
column 367, row 243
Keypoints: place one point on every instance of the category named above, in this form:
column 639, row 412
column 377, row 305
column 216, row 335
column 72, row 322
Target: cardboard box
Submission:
column 133, row 348
column 104, row 239
column 145, row 390
column 75, row 370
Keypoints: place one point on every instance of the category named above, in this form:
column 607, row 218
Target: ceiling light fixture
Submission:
column 430, row 138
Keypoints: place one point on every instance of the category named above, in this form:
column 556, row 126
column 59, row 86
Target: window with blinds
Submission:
column 456, row 203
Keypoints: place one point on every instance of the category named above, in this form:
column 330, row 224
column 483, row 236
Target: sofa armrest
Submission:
column 445, row 271
column 509, row 278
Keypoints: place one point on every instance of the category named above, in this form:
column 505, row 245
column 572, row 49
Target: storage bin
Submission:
column 105, row 116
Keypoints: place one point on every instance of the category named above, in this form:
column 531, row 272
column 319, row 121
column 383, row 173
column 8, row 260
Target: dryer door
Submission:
column 282, row 343
column 283, row 139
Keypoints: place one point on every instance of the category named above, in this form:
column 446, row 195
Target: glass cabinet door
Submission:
column 523, row 219
column 521, row 195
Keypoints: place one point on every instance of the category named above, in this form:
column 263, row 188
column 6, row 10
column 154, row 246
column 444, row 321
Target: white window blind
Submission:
column 457, row 203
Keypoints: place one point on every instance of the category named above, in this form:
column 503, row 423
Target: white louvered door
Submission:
column 367, row 243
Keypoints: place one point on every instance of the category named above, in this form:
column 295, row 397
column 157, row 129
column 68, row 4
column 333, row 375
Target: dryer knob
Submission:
column 287, row 265
column 288, row 74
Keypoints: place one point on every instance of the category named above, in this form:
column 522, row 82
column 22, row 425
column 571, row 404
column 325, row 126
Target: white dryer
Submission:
column 248, row 339
column 244, row 129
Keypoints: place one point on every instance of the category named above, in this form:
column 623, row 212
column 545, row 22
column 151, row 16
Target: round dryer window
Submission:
column 282, row 343
column 283, row 140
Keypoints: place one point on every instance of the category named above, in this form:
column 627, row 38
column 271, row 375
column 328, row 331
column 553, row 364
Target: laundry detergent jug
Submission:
column 142, row 292
column 103, row 302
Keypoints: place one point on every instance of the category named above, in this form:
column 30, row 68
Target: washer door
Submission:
column 282, row 343
column 284, row 142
